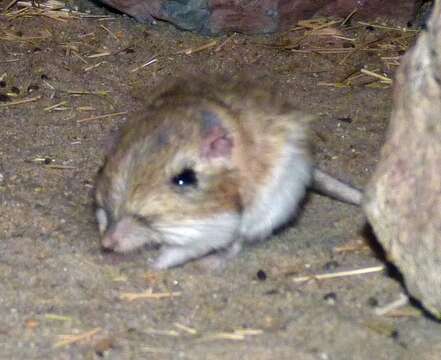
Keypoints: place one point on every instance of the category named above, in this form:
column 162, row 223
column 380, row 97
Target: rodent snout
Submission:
column 126, row 234
column 108, row 243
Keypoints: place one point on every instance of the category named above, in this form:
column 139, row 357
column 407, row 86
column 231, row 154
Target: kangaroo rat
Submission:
column 208, row 166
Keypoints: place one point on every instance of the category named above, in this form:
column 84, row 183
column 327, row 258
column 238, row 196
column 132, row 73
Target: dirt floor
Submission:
column 62, row 298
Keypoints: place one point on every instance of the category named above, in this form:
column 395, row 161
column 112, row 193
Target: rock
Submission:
column 403, row 198
column 398, row 11
column 142, row 11
column 211, row 17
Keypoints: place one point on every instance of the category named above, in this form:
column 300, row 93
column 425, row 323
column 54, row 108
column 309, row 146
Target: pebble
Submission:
column 331, row 265
column 330, row 298
column 372, row 301
column 261, row 275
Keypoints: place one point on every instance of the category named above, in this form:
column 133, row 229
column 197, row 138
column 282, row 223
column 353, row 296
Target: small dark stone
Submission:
column 345, row 119
column 261, row 275
column 372, row 302
column 47, row 160
column 330, row 298
column 4, row 98
column 44, row 77
column 129, row 51
column 2, row 83
column 370, row 28
column 331, row 265
column 395, row 334
column 32, row 88
column 348, row 45
column 15, row 90
column 36, row 49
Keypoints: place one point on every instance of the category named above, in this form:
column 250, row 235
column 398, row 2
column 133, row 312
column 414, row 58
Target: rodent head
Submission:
column 170, row 180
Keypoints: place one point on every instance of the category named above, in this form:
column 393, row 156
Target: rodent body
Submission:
column 206, row 167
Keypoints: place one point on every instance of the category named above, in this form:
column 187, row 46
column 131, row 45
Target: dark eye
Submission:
column 186, row 177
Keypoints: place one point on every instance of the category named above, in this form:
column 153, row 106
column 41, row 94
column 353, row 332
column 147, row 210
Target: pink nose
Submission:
column 108, row 242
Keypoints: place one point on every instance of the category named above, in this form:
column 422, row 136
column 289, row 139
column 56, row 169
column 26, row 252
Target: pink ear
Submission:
column 216, row 140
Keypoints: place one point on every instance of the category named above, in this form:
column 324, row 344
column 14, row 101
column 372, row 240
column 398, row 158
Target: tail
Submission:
column 329, row 186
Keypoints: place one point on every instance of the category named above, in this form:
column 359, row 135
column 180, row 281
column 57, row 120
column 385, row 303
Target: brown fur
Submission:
column 245, row 192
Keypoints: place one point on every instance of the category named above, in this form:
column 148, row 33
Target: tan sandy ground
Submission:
column 54, row 280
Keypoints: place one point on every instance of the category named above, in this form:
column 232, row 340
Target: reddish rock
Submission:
column 263, row 16
column 229, row 16
column 395, row 10
column 142, row 11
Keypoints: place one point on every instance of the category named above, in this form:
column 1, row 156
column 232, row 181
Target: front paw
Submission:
column 171, row 256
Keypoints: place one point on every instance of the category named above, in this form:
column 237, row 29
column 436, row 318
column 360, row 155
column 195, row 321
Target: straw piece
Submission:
column 340, row 274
